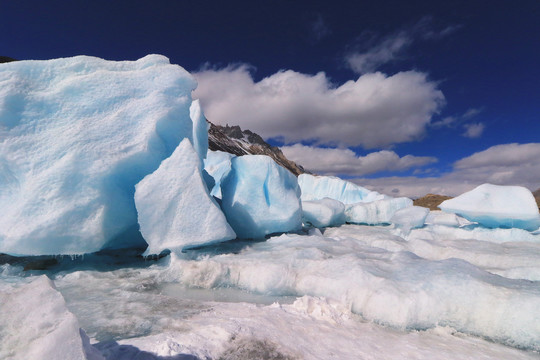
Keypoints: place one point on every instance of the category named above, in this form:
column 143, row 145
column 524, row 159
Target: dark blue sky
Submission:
column 484, row 55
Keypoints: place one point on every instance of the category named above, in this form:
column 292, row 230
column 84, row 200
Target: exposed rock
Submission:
column 233, row 140
column 431, row 201
column 537, row 197
column 5, row 59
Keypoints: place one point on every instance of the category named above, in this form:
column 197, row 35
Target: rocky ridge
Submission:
column 234, row 140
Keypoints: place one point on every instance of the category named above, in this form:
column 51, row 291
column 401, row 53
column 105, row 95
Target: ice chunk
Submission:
column 446, row 219
column 409, row 218
column 76, row 135
column 375, row 212
column 323, row 213
column 35, row 324
column 217, row 164
column 319, row 187
column 200, row 129
column 497, row 206
column 260, row 197
column 174, row 207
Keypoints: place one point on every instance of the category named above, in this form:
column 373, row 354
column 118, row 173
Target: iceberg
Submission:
column 260, row 197
column 174, row 207
column 76, row 135
column 319, row 187
column 446, row 219
column 36, row 324
column 375, row 212
column 408, row 218
column 200, row 129
column 323, row 213
column 217, row 164
column 496, row 206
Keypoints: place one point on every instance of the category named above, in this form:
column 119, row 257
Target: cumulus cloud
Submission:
column 374, row 111
column 473, row 130
column 507, row 164
column 329, row 161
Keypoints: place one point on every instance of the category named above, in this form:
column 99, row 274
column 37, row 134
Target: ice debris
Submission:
column 375, row 212
column 497, row 206
column 323, row 213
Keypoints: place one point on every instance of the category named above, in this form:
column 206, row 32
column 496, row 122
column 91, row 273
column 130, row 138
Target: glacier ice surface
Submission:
column 496, row 206
column 36, row 324
column 323, row 213
column 319, row 187
column 76, row 135
column 174, row 207
column 409, row 218
column 200, row 129
column 260, row 197
column 375, row 212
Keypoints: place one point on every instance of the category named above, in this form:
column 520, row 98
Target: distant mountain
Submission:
column 431, row 201
column 5, row 59
column 537, row 197
column 234, row 140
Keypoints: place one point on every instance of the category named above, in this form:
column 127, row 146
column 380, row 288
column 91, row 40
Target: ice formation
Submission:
column 36, row 324
column 323, row 213
column 447, row 219
column 217, row 164
column 200, row 129
column 375, row 212
column 319, row 187
column 497, row 206
column 174, row 207
column 77, row 135
column 410, row 217
column 260, row 197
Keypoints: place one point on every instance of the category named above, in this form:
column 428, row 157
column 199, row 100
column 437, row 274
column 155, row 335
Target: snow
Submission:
column 376, row 212
column 448, row 219
column 77, row 135
column 319, row 187
column 217, row 164
column 174, row 207
column 35, row 324
column 323, row 213
column 497, row 206
column 409, row 218
column 260, row 197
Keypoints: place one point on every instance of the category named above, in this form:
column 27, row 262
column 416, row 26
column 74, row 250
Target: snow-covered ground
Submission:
column 354, row 292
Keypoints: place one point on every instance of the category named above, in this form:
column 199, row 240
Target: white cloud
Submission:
column 473, row 130
column 374, row 111
column 380, row 54
column 328, row 161
column 507, row 164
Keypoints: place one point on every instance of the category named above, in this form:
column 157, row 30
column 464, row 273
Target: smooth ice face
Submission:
column 76, row 135
column 410, row 218
column 174, row 207
column 323, row 213
column 446, row 219
column 260, row 197
column 200, row 129
column 319, row 187
column 36, row 324
column 376, row 212
column 497, row 206
column 217, row 164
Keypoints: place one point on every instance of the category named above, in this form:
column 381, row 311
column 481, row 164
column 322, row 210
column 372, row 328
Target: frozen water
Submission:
column 375, row 212
column 497, row 206
column 217, row 164
column 77, row 135
column 200, row 129
column 35, row 324
column 174, row 207
column 319, row 187
column 447, row 219
column 409, row 218
column 323, row 213
column 260, row 197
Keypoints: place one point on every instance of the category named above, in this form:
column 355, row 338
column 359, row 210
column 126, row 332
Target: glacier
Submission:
column 174, row 207
column 77, row 135
column 497, row 206
column 217, row 164
column 323, row 213
column 259, row 197
column 375, row 212
column 319, row 187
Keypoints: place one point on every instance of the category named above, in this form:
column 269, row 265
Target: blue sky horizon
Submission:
column 402, row 97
